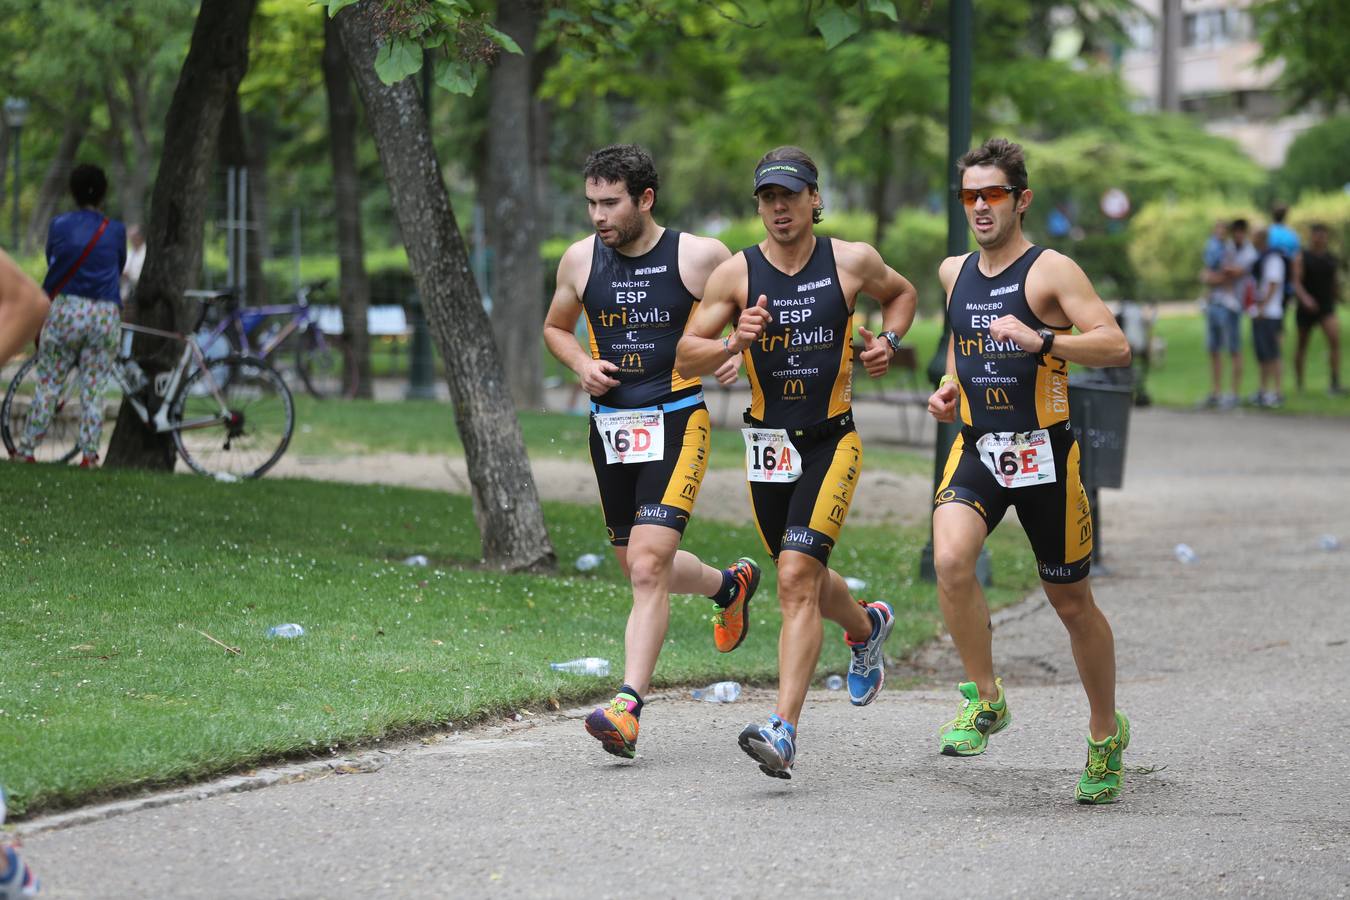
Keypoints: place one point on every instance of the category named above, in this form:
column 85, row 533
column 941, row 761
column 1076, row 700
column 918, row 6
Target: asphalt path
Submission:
column 1232, row 668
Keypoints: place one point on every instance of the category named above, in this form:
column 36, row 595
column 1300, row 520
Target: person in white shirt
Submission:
column 1269, row 270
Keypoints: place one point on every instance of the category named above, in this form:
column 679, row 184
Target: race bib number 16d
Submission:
column 770, row 456
column 632, row 436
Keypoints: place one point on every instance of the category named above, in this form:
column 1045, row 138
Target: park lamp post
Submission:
column 16, row 113
column 961, row 15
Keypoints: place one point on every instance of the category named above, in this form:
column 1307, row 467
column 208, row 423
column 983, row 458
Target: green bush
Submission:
column 1316, row 159
column 1332, row 210
column 915, row 245
column 1166, row 243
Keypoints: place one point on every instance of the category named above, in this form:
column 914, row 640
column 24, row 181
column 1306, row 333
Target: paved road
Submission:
column 1232, row 668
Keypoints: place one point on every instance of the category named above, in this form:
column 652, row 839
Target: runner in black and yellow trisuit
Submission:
column 1012, row 307
column 793, row 298
column 637, row 285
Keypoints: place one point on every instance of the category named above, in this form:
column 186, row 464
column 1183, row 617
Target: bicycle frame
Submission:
column 301, row 317
column 191, row 352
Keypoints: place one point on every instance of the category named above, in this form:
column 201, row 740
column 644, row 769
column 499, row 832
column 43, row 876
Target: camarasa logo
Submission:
column 650, row 270
column 1007, row 289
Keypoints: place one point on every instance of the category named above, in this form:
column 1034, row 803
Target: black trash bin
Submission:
column 1099, row 409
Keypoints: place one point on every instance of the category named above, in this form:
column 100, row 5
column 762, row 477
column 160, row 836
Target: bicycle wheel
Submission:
column 234, row 430
column 61, row 442
column 324, row 365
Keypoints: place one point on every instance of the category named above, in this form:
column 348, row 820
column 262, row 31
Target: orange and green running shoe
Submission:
column 732, row 622
column 968, row 734
column 615, row 726
column 1105, row 764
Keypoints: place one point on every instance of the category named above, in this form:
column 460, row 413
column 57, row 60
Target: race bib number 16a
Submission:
column 632, row 436
column 1018, row 459
column 770, row 456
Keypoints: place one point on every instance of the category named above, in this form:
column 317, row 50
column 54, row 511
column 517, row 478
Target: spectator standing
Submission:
column 1269, row 272
column 1319, row 291
column 1223, row 317
column 86, row 254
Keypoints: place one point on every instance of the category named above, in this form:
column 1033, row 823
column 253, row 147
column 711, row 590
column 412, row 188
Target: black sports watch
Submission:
column 1048, row 337
column 893, row 339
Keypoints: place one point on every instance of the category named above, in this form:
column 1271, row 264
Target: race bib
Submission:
column 632, row 435
column 770, row 456
column 1018, row 459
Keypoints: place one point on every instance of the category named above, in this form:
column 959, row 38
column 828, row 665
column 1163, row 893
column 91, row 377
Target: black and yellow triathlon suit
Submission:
column 1012, row 402
column 636, row 310
column 801, row 381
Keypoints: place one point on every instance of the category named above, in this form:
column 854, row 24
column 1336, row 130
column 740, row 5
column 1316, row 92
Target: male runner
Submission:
column 638, row 285
column 793, row 297
column 23, row 309
column 1012, row 306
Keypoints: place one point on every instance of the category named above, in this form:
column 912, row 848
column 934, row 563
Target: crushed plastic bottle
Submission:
column 722, row 692
column 289, row 630
column 588, row 561
column 834, row 682
column 1185, row 554
column 416, row 559
column 590, row 665
column 855, row 584
column 1329, row 542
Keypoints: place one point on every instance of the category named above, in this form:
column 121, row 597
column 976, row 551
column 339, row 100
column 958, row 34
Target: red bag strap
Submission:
column 88, row 248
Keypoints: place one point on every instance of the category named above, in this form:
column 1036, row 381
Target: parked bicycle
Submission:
column 230, row 418
column 322, row 361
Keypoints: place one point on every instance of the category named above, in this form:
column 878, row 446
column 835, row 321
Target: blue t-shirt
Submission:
column 101, row 272
column 1214, row 253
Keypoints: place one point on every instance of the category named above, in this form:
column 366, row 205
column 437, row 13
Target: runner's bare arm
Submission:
column 699, row 256
column 23, row 307
column 893, row 292
column 1055, row 281
column 942, row 403
column 561, row 322
column 701, row 350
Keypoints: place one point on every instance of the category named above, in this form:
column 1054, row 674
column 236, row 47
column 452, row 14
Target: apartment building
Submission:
column 1199, row 57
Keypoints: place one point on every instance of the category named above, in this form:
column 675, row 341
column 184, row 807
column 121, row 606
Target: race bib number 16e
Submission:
column 770, row 456
column 1018, row 459
column 632, row 436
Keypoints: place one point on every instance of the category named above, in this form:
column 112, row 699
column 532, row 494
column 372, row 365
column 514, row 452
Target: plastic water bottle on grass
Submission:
column 589, row 665
column 722, row 692
column 834, row 682
column 290, row 630
column 586, row 562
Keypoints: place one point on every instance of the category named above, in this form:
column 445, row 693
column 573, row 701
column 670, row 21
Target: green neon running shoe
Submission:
column 1102, row 777
column 968, row 734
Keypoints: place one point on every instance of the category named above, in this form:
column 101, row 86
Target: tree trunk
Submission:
column 354, row 286
column 881, row 187
column 216, row 61
column 506, row 503
column 511, row 205
column 57, row 180
column 138, row 165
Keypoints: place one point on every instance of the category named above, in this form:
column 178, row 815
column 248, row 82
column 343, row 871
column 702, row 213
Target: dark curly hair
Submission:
column 1001, row 154
column 628, row 163
column 88, row 185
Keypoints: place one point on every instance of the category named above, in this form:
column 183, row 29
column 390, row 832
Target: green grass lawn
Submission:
column 1182, row 379
column 107, row 684
column 327, row 428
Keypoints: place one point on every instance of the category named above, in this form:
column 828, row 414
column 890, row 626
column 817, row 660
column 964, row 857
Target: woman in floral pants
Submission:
column 86, row 252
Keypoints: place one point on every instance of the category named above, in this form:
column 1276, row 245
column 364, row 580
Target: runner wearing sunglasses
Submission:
column 1013, row 307
column 792, row 297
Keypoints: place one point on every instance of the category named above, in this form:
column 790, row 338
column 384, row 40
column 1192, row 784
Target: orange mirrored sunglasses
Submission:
column 994, row 193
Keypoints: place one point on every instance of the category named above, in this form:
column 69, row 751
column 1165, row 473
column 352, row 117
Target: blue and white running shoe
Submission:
column 773, row 746
column 867, row 672
column 18, row 880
